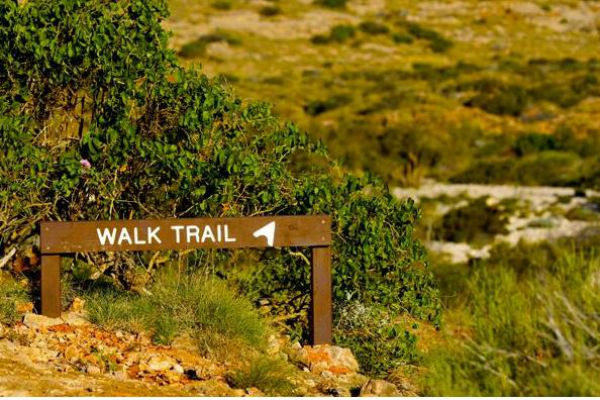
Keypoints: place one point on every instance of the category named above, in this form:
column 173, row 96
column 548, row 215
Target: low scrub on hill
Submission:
column 523, row 323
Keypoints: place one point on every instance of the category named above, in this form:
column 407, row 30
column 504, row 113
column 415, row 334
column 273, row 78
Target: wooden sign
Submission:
column 58, row 238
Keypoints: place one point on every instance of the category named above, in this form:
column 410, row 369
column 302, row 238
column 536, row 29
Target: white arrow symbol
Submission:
column 268, row 231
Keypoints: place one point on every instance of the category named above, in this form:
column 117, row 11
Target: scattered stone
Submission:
column 77, row 305
column 32, row 320
column 296, row 346
column 178, row 368
column 71, row 353
column 254, row 391
column 335, row 359
column 378, row 388
column 159, row 363
column 93, row 370
column 273, row 345
column 24, row 307
column 327, row 374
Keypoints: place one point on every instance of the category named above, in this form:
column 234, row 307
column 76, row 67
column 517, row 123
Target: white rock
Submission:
column 40, row 321
column 93, row 370
column 160, row 363
column 379, row 388
column 178, row 368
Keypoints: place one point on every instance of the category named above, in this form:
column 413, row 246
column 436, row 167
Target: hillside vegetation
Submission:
column 469, row 91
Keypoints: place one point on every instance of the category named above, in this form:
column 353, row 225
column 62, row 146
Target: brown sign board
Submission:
column 58, row 238
column 180, row 234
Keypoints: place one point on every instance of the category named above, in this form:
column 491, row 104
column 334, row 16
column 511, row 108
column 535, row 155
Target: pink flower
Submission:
column 85, row 164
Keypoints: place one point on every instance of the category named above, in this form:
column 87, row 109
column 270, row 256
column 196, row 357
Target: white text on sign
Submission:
column 150, row 235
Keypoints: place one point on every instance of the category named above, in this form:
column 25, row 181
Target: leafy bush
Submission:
column 473, row 222
column 437, row 42
column 501, row 100
column 341, row 33
column 379, row 343
column 338, row 33
column 269, row 11
column 373, row 28
column 402, row 38
column 223, row 5
column 440, row 45
column 320, row 39
column 317, row 107
column 197, row 48
column 551, row 168
column 583, row 214
column 98, row 121
column 332, row 3
column 534, row 143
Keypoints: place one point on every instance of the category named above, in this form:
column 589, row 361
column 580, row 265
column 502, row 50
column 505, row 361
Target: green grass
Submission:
column 11, row 294
column 180, row 303
column 197, row 48
column 530, row 324
column 270, row 375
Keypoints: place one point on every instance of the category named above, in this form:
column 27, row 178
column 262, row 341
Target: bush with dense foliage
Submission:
column 98, row 121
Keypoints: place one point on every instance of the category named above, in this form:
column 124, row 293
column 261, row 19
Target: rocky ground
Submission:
column 70, row 357
column 541, row 213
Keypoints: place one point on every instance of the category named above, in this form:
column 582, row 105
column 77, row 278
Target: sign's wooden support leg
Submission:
column 321, row 308
column 51, row 306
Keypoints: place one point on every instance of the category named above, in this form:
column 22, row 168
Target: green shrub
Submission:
column 582, row 214
column 421, row 32
column 534, row 143
column 402, row 38
column 197, row 48
column 164, row 141
column 331, row 3
column 320, row 39
column 269, row 11
column 341, row 33
column 437, row 42
column 270, row 375
column 338, row 34
column 11, row 294
column 472, row 223
column 222, row 5
column 561, row 95
column 552, row 168
column 379, row 343
column 373, row 28
column 440, row 45
column 501, row 100
column 317, row 107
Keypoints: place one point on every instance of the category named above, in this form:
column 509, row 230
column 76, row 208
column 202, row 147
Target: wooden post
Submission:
column 51, row 306
column 320, row 307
